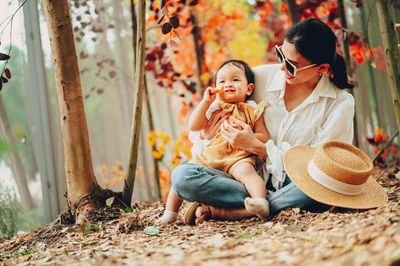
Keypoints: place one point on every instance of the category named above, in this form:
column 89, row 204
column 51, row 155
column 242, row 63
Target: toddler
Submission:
column 234, row 84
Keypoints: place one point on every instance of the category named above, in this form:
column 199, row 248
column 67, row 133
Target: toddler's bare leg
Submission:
column 172, row 208
column 247, row 175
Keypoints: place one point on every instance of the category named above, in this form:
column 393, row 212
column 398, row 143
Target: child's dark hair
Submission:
column 242, row 65
column 315, row 41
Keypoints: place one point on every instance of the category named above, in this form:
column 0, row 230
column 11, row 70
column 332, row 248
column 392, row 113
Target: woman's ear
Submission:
column 324, row 68
column 250, row 88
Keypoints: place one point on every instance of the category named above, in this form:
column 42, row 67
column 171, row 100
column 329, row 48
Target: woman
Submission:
column 307, row 106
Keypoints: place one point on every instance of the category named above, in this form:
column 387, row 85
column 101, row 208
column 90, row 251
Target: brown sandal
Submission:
column 190, row 216
column 210, row 212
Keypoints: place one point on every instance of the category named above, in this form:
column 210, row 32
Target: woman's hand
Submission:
column 240, row 135
column 213, row 125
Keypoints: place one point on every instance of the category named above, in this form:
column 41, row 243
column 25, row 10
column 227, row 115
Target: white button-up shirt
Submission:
column 326, row 114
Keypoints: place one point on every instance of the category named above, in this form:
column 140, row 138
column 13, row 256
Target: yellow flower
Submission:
column 104, row 170
column 157, row 154
column 116, row 167
column 152, row 138
column 175, row 161
column 164, row 137
column 187, row 152
column 177, row 146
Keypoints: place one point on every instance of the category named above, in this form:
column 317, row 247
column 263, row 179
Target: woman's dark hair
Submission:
column 242, row 65
column 315, row 41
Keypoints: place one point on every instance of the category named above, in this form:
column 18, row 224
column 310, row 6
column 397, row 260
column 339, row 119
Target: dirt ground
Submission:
column 294, row 237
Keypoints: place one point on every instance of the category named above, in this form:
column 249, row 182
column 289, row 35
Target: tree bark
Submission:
column 125, row 90
column 199, row 50
column 45, row 130
column 15, row 162
column 293, row 11
column 139, row 88
column 81, row 182
column 151, row 127
column 346, row 53
column 391, row 50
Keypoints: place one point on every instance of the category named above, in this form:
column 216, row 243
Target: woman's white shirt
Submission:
column 326, row 114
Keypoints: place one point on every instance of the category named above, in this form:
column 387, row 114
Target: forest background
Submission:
column 185, row 43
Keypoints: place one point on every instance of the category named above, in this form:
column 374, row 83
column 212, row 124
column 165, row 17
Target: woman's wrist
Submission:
column 258, row 148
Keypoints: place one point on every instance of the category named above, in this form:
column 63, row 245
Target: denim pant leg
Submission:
column 289, row 196
column 194, row 182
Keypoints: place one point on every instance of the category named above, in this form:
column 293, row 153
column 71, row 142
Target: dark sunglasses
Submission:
column 291, row 69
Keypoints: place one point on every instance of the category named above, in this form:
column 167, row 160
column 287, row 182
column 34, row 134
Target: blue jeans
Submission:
column 193, row 182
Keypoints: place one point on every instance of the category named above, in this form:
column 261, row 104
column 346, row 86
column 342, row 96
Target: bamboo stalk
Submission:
column 198, row 50
column 151, row 127
column 371, row 79
column 139, row 87
column 347, row 60
column 392, row 53
column 14, row 159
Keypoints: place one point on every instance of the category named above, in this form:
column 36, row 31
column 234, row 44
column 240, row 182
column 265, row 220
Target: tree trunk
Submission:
column 293, row 11
column 81, row 182
column 126, row 88
column 391, row 50
column 151, row 127
column 45, row 130
column 15, row 162
column 345, row 44
column 139, row 88
column 199, row 50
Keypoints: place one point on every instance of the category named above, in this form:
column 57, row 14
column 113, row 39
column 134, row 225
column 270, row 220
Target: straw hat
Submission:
column 335, row 173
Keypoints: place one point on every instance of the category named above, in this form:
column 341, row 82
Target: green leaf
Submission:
column 127, row 209
column 243, row 236
column 151, row 230
column 92, row 228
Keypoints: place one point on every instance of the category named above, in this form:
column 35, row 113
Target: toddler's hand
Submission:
column 210, row 94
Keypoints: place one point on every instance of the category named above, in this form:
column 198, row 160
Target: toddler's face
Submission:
column 234, row 83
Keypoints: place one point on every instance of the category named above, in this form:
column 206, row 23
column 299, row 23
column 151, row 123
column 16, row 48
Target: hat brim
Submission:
column 296, row 162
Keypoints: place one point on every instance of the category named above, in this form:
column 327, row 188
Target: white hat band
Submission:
column 331, row 183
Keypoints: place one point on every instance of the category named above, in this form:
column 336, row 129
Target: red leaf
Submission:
column 166, row 28
column 4, row 79
column 174, row 22
column 8, row 73
column 100, row 91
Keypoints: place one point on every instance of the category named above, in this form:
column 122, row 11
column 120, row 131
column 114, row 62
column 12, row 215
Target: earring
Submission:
column 320, row 74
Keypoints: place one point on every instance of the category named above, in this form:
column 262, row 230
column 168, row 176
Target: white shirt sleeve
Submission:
column 194, row 136
column 275, row 167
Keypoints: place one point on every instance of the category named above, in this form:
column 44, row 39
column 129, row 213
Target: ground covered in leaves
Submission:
column 295, row 237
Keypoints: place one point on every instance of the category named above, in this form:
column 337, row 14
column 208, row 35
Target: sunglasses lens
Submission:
column 278, row 55
column 289, row 68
